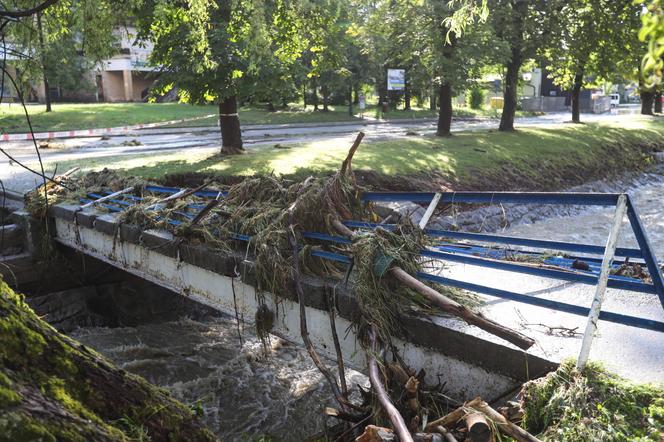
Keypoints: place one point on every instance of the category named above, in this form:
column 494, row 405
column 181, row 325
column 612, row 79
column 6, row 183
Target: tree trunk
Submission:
column 445, row 114
column 510, row 95
column 231, row 135
column 647, row 99
column 406, row 96
column 576, row 93
column 658, row 103
column 304, row 94
column 44, row 373
column 47, row 89
column 326, row 97
column 315, row 97
column 432, row 100
column 445, row 94
column 270, row 107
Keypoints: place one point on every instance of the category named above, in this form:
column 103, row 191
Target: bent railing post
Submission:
column 602, row 281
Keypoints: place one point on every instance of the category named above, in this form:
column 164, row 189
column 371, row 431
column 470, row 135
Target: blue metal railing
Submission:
column 557, row 267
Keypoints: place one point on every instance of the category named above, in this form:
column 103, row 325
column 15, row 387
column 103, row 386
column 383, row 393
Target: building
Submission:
column 121, row 78
column 547, row 97
column 126, row 76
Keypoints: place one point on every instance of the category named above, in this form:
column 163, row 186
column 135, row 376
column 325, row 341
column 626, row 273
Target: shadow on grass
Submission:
column 543, row 158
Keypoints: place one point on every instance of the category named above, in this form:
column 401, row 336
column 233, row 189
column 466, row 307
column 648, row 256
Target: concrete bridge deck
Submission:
column 467, row 363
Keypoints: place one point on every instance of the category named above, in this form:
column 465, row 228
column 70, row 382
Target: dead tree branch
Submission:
column 393, row 414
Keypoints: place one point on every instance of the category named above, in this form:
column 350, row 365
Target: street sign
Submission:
column 396, row 79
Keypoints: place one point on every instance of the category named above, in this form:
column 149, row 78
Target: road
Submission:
column 206, row 140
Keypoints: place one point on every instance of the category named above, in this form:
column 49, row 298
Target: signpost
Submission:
column 396, row 79
column 363, row 105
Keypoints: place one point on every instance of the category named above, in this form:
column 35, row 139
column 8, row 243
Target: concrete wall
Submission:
column 113, row 86
column 543, row 104
column 124, row 85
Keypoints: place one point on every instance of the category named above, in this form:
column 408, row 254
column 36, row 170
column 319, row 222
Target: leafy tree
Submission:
column 652, row 32
column 214, row 50
column 63, row 41
column 524, row 26
column 593, row 36
column 461, row 60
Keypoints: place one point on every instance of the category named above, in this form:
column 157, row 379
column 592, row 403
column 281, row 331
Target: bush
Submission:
column 475, row 98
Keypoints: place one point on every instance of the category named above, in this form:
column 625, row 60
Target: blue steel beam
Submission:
column 332, row 256
column 586, row 199
column 510, row 240
column 644, row 244
column 535, row 243
column 618, row 318
column 539, row 271
column 324, row 237
column 116, row 201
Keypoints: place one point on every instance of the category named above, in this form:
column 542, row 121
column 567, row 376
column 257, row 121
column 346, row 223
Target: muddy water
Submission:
column 592, row 226
column 246, row 391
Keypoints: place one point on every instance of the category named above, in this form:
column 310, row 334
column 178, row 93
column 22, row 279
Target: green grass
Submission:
column 88, row 116
column 595, row 405
column 74, row 116
column 545, row 158
column 291, row 115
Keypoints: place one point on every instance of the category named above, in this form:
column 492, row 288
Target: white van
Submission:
column 615, row 100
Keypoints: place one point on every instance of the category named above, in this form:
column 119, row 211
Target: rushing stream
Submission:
column 246, row 393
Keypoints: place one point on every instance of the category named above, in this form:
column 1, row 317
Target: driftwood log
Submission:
column 400, row 427
column 448, row 305
column 479, row 429
column 504, row 426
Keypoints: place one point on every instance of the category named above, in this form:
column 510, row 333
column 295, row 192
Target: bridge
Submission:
column 471, row 361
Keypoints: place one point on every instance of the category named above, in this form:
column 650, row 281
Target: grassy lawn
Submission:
column 88, row 116
column 74, row 116
column 539, row 155
column 293, row 114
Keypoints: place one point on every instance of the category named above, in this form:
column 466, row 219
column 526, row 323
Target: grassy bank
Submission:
column 534, row 158
column 99, row 115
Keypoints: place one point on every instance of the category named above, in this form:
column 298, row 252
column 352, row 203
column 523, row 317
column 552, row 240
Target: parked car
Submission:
column 615, row 100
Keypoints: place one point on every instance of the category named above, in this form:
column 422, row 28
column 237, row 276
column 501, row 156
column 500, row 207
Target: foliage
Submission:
column 571, row 406
column 592, row 38
column 77, row 34
column 214, row 49
column 652, row 32
column 475, row 98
